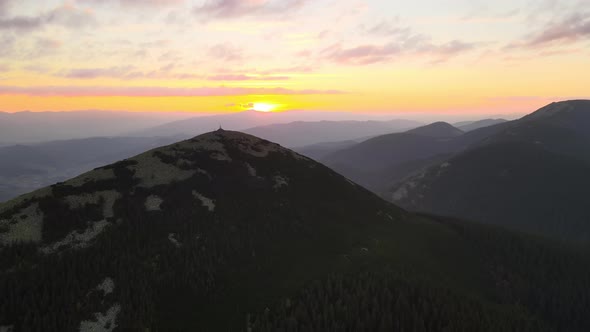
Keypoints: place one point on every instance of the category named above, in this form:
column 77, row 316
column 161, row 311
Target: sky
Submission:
column 216, row 56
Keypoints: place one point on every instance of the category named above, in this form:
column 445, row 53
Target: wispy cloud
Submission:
column 4, row 4
column 225, row 52
column 243, row 77
column 135, row 3
column 126, row 73
column 91, row 73
column 566, row 30
column 8, row 46
column 361, row 55
column 388, row 28
column 102, row 91
column 66, row 15
column 374, row 53
column 227, row 9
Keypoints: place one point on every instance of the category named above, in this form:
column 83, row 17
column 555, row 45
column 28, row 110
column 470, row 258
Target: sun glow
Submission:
column 264, row 107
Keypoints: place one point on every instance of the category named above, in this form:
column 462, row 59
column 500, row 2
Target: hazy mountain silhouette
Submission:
column 436, row 130
column 320, row 150
column 532, row 175
column 298, row 134
column 272, row 121
column 34, row 127
column 472, row 125
column 226, row 231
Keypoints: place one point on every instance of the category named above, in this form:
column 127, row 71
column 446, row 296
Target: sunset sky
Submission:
column 447, row 56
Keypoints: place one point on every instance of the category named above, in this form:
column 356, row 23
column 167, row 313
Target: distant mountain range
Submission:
column 229, row 232
column 37, row 127
column 532, row 174
column 24, row 168
column 292, row 123
column 381, row 161
column 472, row 125
column 299, row 134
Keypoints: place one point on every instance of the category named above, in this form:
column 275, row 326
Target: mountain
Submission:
column 533, row 175
column 381, row 161
column 229, row 232
column 24, row 168
column 436, row 130
column 300, row 133
column 472, row 125
column 34, row 127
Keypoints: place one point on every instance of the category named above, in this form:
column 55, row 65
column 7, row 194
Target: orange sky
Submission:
column 460, row 57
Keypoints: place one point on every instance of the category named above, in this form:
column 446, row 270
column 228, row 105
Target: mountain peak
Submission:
column 437, row 129
column 219, row 159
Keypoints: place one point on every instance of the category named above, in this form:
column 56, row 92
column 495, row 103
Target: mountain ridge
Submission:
column 543, row 155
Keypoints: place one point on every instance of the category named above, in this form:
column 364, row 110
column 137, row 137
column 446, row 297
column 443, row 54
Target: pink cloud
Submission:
column 102, row 91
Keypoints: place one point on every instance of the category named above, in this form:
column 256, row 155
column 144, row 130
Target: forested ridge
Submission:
column 262, row 239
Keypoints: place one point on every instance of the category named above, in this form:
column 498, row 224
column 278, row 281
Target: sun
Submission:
column 263, row 107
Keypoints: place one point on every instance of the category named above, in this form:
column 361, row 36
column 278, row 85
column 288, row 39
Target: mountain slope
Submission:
column 379, row 162
column 531, row 175
column 229, row 232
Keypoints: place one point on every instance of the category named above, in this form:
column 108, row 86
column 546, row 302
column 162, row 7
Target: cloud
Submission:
column 91, row 73
column 8, row 46
column 109, row 91
column 485, row 16
column 443, row 52
column 135, row 3
column 373, row 53
column 225, row 52
column 388, row 28
column 66, row 15
column 125, row 73
column 363, row 54
column 243, row 77
column 4, row 6
column 36, row 68
column 44, row 47
column 227, row 9
column 400, row 41
column 569, row 29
